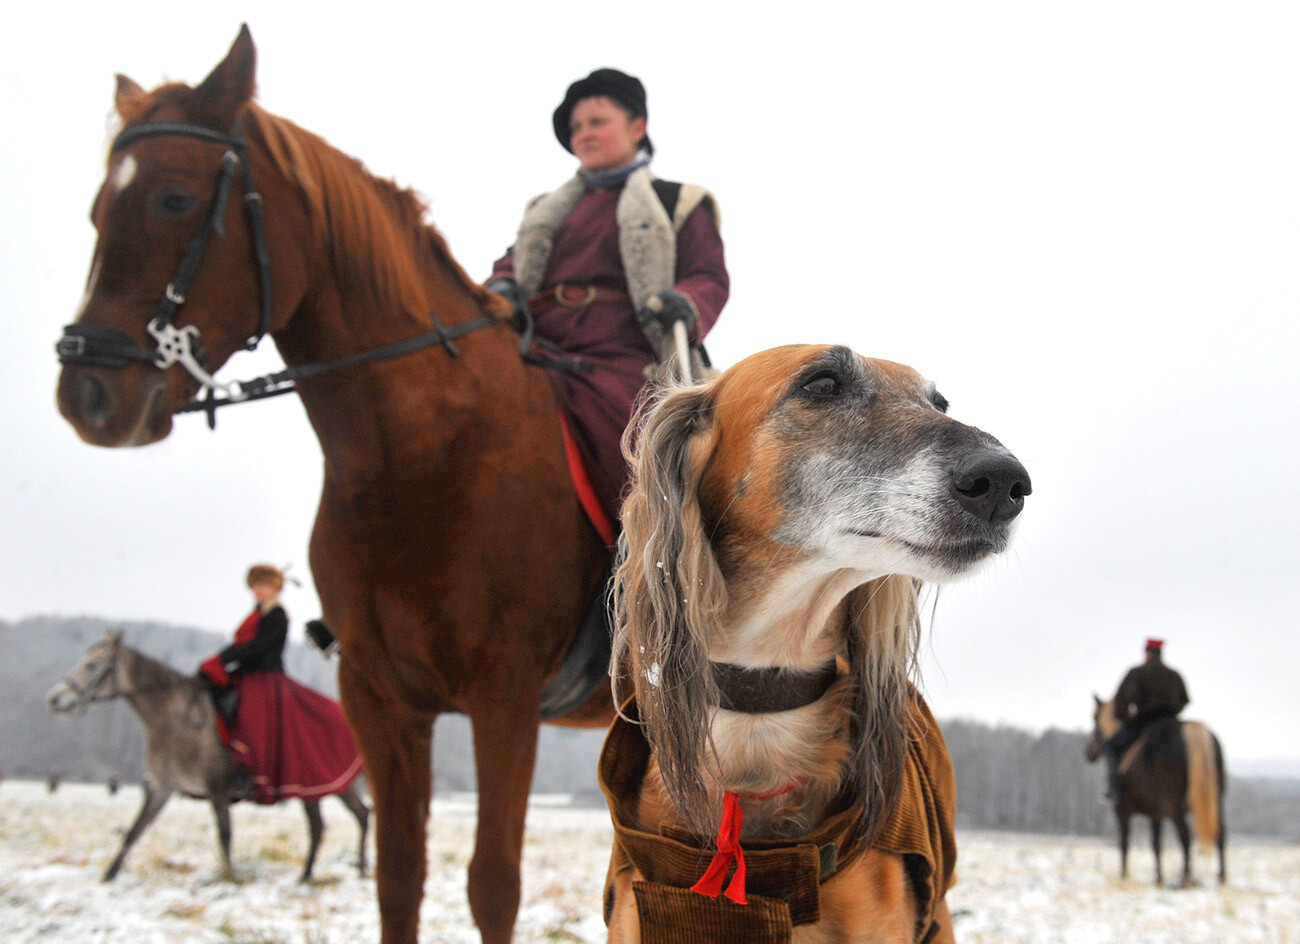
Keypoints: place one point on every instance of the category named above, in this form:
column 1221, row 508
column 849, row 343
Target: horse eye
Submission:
column 824, row 385
column 174, row 203
column 90, row 666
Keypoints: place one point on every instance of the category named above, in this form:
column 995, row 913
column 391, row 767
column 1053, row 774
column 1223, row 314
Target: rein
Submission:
column 104, row 346
column 89, row 694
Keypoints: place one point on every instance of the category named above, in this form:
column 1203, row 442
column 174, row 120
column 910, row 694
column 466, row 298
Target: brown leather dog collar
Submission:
column 756, row 691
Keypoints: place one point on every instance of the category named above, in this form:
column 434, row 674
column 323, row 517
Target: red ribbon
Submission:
column 710, row 883
column 729, row 848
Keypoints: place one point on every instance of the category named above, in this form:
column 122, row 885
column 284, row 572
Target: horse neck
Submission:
column 381, row 278
column 144, row 681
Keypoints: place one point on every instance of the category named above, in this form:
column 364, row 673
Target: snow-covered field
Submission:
column 1011, row 890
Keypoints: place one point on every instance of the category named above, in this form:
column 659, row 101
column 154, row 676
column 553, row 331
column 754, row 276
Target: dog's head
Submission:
column 802, row 471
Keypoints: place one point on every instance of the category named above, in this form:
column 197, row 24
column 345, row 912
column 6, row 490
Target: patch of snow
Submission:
column 1011, row 889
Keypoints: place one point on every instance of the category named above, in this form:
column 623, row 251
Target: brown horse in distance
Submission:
column 1175, row 768
column 450, row 552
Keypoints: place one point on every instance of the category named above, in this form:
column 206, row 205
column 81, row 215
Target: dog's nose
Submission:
column 991, row 485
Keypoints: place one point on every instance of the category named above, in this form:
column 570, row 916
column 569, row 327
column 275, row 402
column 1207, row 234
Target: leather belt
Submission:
column 575, row 296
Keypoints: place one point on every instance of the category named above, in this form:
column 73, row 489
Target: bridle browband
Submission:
column 757, row 691
column 104, row 346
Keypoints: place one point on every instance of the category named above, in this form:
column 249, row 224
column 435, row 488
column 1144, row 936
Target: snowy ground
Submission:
column 1012, row 889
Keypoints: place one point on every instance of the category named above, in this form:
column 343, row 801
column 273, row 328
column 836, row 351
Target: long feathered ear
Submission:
column 669, row 594
column 884, row 634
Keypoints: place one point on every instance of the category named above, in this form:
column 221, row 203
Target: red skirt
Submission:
column 293, row 740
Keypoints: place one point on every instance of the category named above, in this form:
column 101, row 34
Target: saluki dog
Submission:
column 780, row 522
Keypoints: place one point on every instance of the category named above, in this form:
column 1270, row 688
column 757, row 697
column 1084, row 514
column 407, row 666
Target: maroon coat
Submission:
column 598, row 403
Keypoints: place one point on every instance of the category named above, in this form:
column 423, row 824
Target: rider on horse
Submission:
column 1149, row 692
column 287, row 740
column 607, row 263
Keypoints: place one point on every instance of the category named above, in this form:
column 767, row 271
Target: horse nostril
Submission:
column 991, row 485
column 93, row 401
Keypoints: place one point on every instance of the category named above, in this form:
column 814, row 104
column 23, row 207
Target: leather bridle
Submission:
column 105, row 346
column 89, row 694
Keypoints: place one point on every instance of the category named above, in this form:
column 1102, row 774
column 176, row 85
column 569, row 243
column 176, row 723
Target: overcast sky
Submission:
column 1080, row 220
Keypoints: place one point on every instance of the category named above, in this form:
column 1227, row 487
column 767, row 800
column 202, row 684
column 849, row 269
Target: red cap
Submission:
column 1153, row 645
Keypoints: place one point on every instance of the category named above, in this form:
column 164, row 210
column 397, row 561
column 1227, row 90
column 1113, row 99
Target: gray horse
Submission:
column 183, row 751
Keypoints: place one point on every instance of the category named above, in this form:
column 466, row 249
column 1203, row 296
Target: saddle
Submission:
column 586, row 666
column 225, row 700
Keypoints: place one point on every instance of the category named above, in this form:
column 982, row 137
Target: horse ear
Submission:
column 115, row 636
column 127, row 91
column 230, row 85
column 1097, row 700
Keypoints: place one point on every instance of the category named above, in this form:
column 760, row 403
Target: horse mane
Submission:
column 149, row 674
column 376, row 231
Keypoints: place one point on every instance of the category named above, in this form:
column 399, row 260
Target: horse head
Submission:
column 92, row 679
column 181, row 267
column 1104, row 725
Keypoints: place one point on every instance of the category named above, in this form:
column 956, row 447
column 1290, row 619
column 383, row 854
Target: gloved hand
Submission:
column 509, row 290
column 666, row 308
column 215, row 671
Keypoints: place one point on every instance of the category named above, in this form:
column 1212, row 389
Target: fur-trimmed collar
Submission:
column 646, row 236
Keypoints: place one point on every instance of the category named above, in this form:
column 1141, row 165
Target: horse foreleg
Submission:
column 1123, row 844
column 505, row 748
column 315, row 829
column 1156, row 823
column 1222, row 843
column 351, row 798
column 221, row 810
column 154, row 801
column 396, row 746
column 1185, row 840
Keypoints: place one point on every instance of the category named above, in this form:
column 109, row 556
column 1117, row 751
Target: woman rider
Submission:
column 607, row 263
column 288, row 740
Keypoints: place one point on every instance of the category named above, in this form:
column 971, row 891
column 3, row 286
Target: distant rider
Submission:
column 1149, row 692
column 287, row 740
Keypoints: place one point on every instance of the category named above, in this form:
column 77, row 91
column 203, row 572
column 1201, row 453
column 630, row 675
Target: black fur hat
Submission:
column 625, row 89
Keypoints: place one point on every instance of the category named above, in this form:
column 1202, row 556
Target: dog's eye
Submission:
column 824, row 385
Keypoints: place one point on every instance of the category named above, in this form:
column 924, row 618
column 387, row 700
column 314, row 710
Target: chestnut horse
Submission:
column 451, row 554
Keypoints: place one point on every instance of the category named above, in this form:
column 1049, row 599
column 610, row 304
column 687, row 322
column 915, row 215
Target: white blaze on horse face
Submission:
column 124, row 173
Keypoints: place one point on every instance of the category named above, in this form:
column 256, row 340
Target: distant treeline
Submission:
column 1007, row 778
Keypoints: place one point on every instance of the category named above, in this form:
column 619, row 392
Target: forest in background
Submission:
column 1008, row 778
